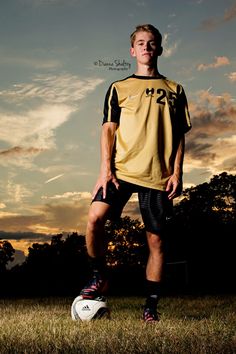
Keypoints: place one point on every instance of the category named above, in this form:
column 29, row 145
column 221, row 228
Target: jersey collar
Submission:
column 147, row 77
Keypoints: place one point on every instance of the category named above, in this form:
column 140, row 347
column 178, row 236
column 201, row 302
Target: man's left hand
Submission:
column 174, row 186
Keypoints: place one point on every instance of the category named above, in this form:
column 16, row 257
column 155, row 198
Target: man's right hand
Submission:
column 102, row 181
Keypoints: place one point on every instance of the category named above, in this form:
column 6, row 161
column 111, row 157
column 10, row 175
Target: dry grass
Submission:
column 187, row 325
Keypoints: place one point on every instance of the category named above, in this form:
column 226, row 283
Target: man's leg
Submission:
column 95, row 240
column 154, row 207
column 155, row 262
column 96, row 248
column 154, row 271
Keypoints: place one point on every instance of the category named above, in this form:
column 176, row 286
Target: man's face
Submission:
column 145, row 48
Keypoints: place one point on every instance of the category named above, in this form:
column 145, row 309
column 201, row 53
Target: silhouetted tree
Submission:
column 126, row 243
column 6, row 254
column 126, row 255
column 58, row 266
column 215, row 201
column 205, row 220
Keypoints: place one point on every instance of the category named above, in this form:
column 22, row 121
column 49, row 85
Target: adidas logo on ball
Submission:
column 87, row 310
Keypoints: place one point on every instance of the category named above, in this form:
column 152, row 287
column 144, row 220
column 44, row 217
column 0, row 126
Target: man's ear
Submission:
column 132, row 52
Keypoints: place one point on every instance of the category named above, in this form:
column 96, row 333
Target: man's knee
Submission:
column 97, row 214
column 154, row 242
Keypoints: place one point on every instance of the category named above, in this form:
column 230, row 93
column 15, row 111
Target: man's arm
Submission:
column 174, row 185
column 107, row 144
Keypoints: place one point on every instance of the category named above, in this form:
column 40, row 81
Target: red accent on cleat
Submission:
column 150, row 315
column 96, row 287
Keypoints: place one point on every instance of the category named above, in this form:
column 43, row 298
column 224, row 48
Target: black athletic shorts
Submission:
column 155, row 207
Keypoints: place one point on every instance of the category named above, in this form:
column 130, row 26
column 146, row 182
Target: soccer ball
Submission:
column 87, row 310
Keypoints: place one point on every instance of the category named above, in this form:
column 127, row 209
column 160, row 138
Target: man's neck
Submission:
column 145, row 70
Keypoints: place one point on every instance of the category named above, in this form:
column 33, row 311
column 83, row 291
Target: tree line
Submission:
column 199, row 246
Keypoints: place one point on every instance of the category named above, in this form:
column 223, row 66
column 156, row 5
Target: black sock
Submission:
column 98, row 265
column 153, row 293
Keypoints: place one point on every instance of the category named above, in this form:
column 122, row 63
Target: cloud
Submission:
column 16, row 196
column 61, row 89
column 19, row 156
column 69, row 195
column 213, row 116
column 17, row 236
column 168, row 49
column 2, row 205
column 62, row 213
column 24, row 223
column 211, row 23
column 17, row 150
column 211, row 143
column 225, row 162
column 71, row 215
column 215, row 112
column 30, row 133
column 67, row 216
column 42, row 106
column 219, row 61
column 18, row 192
column 36, row 63
column 33, row 128
column 217, row 157
column 230, row 14
column 21, row 241
column 6, row 214
column 232, row 76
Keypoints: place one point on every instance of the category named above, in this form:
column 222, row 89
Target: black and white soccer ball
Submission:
column 87, row 310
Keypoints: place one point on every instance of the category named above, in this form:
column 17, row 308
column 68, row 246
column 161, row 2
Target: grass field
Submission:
column 188, row 325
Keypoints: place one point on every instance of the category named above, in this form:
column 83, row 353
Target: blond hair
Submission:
column 146, row 28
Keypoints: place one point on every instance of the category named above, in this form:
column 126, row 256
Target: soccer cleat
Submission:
column 95, row 287
column 150, row 315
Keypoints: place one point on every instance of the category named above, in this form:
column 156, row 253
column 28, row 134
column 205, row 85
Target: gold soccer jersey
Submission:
column 152, row 115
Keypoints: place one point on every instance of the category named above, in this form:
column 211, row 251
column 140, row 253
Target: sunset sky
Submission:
column 58, row 57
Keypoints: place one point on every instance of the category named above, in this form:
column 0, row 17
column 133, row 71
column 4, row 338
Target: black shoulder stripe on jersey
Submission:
column 178, row 89
column 111, row 106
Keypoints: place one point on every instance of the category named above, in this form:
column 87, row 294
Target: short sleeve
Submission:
column 183, row 117
column 111, row 106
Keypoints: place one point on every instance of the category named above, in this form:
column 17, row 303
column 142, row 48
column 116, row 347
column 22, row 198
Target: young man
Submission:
column 142, row 150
